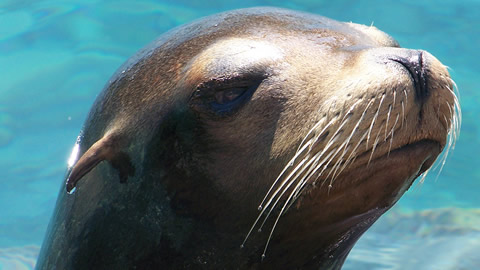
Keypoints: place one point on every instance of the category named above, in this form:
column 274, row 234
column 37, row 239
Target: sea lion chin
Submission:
column 259, row 138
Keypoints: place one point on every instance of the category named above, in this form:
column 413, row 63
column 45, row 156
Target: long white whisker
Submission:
column 330, row 143
column 352, row 154
column 424, row 175
column 374, row 147
column 406, row 105
column 346, row 141
column 264, row 208
column 391, row 136
column 406, row 97
column 314, row 128
column 285, row 205
column 260, row 207
column 298, row 189
column 454, row 129
column 284, row 182
column 388, row 118
column 374, row 119
column 342, row 146
column 334, row 137
column 351, row 135
column 290, row 182
column 394, row 98
column 330, row 158
column 300, row 150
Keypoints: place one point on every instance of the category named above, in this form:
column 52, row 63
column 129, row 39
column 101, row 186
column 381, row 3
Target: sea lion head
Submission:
column 295, row 125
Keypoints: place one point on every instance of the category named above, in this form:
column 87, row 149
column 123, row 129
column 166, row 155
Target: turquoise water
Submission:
column 55, row 57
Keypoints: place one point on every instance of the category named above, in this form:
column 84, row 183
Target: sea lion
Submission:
column 259, row 138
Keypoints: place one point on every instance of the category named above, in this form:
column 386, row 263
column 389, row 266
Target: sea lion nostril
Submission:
column 414, row 64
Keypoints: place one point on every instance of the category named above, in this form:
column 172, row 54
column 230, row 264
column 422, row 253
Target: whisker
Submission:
column 359, row 121
column 391, row 137
column 261, row 208
column 330, row 160
column 406, row 97
column 343, row 145
column 457, row 109
column 388, row 118
column 351, row 158
column 284, row 182
column 346, row 141
column 453, row 130
column 314, row 128
column 424, row 175
column 375, row 118
column 394, row 98
column 313, row 169
column 351, row 135
column 290, row 182
column 266, row 206
column 293, row 194
column 284, row 170
column 286, row 203
column 374, row 147
column 403, row 113
column 300, row 150
column 330, row 143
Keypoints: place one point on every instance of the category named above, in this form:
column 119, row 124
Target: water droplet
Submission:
column 260, row 208
column 259, row 230
column 242, row 246
column 72, row 191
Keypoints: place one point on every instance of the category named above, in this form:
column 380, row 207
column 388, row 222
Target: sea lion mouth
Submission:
column 381, row 176
column 415, row 159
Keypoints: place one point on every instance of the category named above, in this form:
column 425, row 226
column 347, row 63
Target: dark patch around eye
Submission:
column 224, row 97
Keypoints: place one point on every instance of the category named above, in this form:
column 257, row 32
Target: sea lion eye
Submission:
column 223, row 97
column 229, row 95
column 228, row 100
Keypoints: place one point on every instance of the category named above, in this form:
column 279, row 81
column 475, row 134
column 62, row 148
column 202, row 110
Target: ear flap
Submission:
column 107, row 148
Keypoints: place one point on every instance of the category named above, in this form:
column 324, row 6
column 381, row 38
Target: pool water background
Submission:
column 55, row 57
